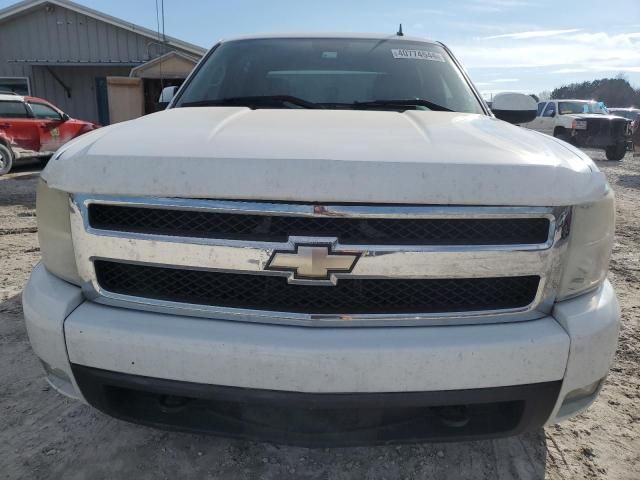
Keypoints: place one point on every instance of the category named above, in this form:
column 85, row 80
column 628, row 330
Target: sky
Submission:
column 506, row 45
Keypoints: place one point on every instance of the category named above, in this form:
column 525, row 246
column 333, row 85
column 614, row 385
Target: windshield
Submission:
column 582, row 107
column 330, row 73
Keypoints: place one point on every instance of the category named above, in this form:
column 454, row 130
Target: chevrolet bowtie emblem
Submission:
column 312, row 262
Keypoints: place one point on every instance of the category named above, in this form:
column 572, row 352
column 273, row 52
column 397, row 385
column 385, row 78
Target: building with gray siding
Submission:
column 64, row 52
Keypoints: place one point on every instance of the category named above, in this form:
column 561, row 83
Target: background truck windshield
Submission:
column 581, row 107
column 331, row 72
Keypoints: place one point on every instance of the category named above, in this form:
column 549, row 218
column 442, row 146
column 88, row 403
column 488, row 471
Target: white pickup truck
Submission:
column 584, row 124
column 326, row 240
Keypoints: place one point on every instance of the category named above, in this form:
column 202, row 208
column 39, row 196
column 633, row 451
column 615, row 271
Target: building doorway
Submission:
column 168, row 70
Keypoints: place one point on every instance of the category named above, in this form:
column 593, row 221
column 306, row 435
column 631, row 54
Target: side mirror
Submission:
column 167, row 95
column 514, row 107
column 65, row 117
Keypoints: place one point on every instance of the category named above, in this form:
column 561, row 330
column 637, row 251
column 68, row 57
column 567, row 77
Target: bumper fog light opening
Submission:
column 583, row 392
column 55, row 373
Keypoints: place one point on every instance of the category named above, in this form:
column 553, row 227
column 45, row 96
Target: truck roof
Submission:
column 10, row 97
column 371, row 36
column 569, row 100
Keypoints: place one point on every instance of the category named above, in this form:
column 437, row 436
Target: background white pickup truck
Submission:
column 584, row 123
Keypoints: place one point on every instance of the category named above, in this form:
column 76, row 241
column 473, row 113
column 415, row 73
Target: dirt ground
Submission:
column 43, row 435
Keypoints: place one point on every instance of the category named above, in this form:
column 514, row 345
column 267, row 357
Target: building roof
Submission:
column 29, row 5
column 141, row 71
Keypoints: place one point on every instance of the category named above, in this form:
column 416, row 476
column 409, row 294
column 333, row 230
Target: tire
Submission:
column 616, row 152
column 6, row 159
column 562, row 135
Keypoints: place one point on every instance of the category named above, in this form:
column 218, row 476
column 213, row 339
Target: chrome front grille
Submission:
column 416, row 265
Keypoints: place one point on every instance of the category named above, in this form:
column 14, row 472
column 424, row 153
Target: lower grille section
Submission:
column 355, row 296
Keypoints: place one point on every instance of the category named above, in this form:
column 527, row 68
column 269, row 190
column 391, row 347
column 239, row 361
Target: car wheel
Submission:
column 565, row 137
column 616, row 152
column 6, row 159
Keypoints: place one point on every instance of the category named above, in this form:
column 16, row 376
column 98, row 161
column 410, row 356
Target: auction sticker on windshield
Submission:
column 417, row 54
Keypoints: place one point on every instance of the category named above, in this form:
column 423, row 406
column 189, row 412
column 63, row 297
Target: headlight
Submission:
column 54, row 233
column 590, row 244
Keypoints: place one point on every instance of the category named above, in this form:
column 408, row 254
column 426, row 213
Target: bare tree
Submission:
column 544, row 95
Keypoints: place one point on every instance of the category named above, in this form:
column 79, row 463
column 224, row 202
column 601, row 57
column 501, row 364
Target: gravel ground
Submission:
column 46, row 436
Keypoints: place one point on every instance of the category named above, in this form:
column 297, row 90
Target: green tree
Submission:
column 614, row 92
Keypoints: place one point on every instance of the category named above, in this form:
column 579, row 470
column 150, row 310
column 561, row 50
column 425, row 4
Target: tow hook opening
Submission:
column 172, row 403
column 454, row 416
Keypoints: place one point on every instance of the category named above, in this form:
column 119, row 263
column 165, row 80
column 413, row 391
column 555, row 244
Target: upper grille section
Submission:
column 349, row 231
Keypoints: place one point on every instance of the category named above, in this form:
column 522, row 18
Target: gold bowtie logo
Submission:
column 312, row 262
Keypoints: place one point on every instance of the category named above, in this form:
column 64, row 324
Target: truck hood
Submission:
column 415, row 157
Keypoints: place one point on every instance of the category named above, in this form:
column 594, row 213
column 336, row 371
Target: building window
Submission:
column 19, row 85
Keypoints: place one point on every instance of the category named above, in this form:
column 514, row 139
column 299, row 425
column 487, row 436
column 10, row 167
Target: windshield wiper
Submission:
column 274, row 101
column 411, row 102
column 257, row 101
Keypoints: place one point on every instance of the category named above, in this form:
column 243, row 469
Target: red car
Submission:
column 31, row 127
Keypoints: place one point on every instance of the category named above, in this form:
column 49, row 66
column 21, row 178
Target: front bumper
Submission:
column 516, row 373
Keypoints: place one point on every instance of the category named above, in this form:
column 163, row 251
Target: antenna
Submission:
column 400, row 34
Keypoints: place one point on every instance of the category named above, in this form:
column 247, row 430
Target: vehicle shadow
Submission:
column 629, row 181
column 520, row 457
column 18, row 187
column 171, row 454
column 34, row 165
